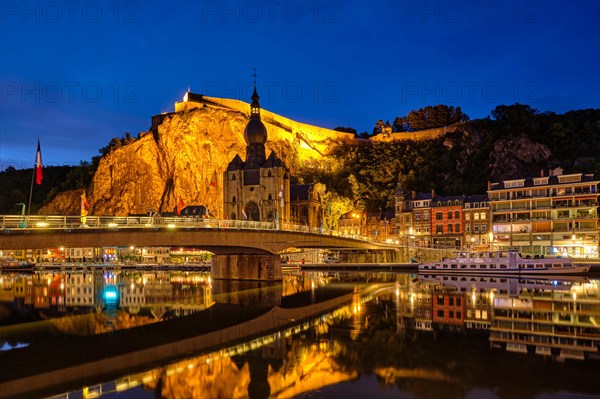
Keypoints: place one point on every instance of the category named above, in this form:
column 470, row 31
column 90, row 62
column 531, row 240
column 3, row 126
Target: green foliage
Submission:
column 429, row 117
column 15, row 186
column 366, row 174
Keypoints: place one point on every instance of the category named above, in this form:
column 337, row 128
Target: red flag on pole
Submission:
column 213, row 181
column 38, row 164
column 180, row 206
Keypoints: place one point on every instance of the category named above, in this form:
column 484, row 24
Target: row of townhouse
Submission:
column 546, row 215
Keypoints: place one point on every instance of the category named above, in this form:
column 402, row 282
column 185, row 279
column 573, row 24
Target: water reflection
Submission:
column 432, row 336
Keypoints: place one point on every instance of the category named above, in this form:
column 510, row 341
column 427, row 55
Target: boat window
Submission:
column 473, row 266
column 492, row 266
column 502, row 266
column 557, row 265
column 445, row 266
column 530, row 266
column 463, row 266
column 453, row 266
column 538, row 266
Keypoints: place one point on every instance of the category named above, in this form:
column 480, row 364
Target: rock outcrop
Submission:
column 184, row 155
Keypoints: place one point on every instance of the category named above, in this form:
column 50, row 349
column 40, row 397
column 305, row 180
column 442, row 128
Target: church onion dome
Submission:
column 255, row 132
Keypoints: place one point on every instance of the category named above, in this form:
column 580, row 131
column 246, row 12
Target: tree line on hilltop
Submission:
column 514, row 141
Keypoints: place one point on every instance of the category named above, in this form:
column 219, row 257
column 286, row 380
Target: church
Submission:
column 258, row 188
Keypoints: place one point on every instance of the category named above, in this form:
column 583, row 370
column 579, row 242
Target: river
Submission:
column 179, row 334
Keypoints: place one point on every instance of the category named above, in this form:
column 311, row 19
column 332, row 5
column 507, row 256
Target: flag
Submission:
column 213, row 181
column 84, row 204
column 38, row 165
column 180, row 206
column 281, row 199
column 244, row 214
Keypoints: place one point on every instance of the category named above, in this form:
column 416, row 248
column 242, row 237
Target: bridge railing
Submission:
column 54, row 222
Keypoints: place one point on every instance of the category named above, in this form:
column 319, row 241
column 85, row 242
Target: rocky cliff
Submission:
column 183, row 152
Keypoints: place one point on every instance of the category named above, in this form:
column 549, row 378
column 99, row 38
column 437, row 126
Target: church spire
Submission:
column 255, row 106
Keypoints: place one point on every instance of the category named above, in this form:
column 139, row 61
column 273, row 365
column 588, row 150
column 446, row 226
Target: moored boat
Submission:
column 503, row 263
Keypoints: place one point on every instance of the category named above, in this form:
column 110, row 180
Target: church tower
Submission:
column 258, row 188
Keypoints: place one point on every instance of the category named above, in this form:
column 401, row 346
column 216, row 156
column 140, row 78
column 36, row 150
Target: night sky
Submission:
column 77, row 74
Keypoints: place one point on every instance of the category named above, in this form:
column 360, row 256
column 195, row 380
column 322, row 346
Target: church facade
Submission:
column 257, row 188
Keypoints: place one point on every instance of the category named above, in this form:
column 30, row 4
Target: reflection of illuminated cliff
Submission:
column 303, row 368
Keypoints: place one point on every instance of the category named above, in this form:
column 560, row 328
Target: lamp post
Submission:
column 22, row 223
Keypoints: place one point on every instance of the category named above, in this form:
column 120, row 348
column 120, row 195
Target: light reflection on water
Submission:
column 420, row 336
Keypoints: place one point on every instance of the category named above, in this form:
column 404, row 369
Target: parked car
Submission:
column 331, row 259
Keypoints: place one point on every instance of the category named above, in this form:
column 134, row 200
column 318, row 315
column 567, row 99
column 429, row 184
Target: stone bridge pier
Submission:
column 264, row 267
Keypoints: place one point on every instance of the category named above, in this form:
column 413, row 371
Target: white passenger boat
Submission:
column 503, row 263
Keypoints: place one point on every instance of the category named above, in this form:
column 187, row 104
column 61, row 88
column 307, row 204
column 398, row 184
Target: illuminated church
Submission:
column 258, row 188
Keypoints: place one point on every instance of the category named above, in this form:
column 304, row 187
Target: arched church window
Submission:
column 269, row 174
column 270, row 216
column 270, row 197
column 233, row 176
column 252, row 211
column 233, row 216
column 234, row 199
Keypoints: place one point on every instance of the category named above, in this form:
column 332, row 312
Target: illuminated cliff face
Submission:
column 181, row 156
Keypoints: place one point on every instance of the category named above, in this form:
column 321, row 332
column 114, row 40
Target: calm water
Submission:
column 394, row 335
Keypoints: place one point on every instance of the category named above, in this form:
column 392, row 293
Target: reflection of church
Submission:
column 259, row 187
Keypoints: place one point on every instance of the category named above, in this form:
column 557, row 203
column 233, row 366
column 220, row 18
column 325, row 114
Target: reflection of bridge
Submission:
column 218, row 236
column 256, row 327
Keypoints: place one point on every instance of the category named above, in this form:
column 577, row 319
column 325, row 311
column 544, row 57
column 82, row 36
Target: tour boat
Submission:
column 503, row 262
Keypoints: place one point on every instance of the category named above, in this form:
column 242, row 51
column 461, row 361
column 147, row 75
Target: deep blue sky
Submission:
column 77, row 75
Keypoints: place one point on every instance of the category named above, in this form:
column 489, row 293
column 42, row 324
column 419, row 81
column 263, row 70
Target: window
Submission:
column 449, row 228
column 439, row 229
column 456, row 214
column 467, row 216
column 440, row 300
column 457, row 227
column 449, row 214
column 482, row 215
column 438, row 216
column 451, row 314
column 440, row 314
column 458, row 302
column 234, row 199
column 451, row 301
column 233, row 176
column 468, row 227
column 476, row 216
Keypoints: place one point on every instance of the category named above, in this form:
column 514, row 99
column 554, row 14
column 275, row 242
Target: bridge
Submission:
column 243, row 249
